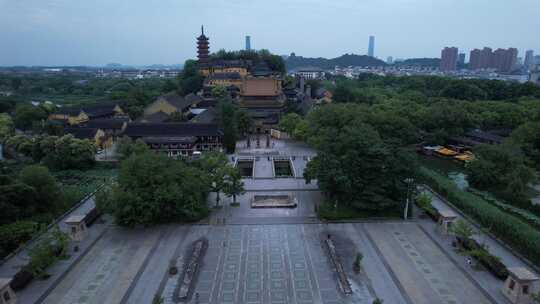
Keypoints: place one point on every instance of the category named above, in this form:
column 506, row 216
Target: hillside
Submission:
column 420, row 62
column 294, row 62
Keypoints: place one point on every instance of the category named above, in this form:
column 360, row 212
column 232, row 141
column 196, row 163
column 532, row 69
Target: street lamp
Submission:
column 409, row 181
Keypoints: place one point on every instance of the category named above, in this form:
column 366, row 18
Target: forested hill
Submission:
column 420, row 62
column 295, row 62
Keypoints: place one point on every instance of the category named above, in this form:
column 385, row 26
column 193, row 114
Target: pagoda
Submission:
column 203, row 48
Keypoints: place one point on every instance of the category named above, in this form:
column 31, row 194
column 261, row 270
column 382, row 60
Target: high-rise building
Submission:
column 502, row 60
column 449, row 56
column 529, row 59
column 461, row 59
column 248, row 43
column 203, row 53
column 390, row 60
column 371, row 46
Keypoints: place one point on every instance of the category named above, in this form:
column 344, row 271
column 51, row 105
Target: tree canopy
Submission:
column 154, row 189
column 354, row 165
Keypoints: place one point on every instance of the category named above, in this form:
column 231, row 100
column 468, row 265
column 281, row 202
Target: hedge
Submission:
column 524, row 215
column 517, row 234
column 491, row 262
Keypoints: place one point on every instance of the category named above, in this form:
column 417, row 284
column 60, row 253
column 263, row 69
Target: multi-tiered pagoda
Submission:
column 203, row 48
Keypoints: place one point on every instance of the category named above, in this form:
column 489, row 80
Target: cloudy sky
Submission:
column 96, row 32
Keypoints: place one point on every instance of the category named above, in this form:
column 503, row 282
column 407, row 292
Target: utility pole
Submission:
column 409, row 181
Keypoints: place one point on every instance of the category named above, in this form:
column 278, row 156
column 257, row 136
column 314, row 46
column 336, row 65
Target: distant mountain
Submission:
column 119, row 66
column 294, row 62
column 115, row 66
column 164, row 66
column 420, row 62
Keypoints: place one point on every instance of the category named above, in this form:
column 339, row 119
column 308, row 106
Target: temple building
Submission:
column 79, row 115
column 177, row 139
column 167, row 106
column 254, row 87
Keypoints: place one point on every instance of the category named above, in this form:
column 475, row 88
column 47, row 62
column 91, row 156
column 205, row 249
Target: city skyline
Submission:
column 61, row 32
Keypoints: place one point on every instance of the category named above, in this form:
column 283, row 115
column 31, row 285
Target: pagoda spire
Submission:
column 203, row 47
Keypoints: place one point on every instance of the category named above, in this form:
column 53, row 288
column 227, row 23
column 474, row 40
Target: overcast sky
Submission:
column 97, row 32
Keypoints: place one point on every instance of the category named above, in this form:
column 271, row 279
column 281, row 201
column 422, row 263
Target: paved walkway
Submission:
column 34, row 292
column 484, row 278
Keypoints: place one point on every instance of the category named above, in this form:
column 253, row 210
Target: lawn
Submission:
column 77, row 184
column 327, row 211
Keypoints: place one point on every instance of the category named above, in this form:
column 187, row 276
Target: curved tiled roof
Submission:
column 172, row 129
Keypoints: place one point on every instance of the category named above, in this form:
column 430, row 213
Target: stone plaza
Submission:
column 272, row 256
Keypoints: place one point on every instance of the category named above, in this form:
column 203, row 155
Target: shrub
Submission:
column 492, row 263
column 358, row 262
column 15, row 234
column 519, row 235
column 47, row 251
column 424, row 202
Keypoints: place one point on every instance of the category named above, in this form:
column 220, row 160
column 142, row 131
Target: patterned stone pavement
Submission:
column 268, row 264
column 274, row 264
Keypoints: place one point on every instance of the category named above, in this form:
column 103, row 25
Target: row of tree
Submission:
column 56, row 152
column 29, row 197
column 364, row 137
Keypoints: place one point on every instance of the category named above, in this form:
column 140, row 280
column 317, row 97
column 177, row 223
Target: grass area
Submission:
column 327, row 211
column 77, row 184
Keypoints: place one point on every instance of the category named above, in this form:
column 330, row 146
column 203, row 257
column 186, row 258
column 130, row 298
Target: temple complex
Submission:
column 253, row 87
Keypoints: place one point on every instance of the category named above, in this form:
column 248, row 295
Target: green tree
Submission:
column 126, row 147
column 20, row 144
column 15, row 234
column 44, row 184
column 462, row 230
column 7, row 128
column 301, row 130
column 227, row 121
column 219, row 92
column 289, row 122
column 464, row 91
column 18, row 201
column 233, row 183
column 244, row 122
column 527, row 136
column 216, row 166
column 501, row 168
column 190, row 80
column 16, row 83
column 155, row 189
column 26, row 115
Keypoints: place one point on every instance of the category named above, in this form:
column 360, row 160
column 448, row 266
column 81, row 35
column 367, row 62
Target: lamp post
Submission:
column 409, row 181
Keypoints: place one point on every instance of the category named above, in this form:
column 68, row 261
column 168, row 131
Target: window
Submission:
column 525, row 289
column 73, row 229
column 512, row 284
column 6, row 296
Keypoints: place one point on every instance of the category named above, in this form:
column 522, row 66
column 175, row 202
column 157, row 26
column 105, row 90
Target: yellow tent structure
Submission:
column 446, row 152
column 465, row 157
